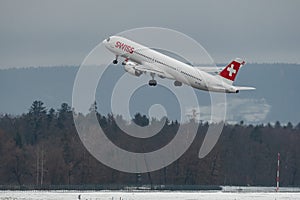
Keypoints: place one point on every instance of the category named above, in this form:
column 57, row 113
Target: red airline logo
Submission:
column 124, row 47
column 231, row 70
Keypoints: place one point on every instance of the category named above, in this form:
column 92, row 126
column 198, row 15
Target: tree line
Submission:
column 42, row 147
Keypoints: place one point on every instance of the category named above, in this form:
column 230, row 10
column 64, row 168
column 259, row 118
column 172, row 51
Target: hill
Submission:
column 275, row 99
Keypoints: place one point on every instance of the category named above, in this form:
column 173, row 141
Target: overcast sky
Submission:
column 61, row 32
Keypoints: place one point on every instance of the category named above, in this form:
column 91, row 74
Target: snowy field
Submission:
column 75, row 195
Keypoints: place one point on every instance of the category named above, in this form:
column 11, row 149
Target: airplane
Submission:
column 139, row 59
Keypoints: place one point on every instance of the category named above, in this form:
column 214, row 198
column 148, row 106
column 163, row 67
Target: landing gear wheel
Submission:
column 115, row 61
column 152, row 83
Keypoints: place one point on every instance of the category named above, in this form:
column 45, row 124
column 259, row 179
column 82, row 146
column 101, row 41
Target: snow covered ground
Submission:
column 110, row 195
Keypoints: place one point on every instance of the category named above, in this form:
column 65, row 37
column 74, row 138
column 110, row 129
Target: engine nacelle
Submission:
column 130, row 68
column 177, row 83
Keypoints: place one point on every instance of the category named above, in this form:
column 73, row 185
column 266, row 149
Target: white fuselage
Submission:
column 172, row 68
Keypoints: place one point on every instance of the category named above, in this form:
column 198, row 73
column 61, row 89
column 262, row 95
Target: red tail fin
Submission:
column 231, row 70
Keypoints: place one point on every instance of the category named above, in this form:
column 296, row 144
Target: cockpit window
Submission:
column 107, row 40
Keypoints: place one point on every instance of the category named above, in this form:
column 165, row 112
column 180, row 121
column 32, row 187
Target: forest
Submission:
column 42, row 147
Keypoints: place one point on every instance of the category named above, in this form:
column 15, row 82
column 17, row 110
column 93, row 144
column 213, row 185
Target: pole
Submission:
column 37, row 166
column 277, row 178
column 42, row 166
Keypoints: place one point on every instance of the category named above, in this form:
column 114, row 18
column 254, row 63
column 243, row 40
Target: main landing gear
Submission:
column 152, row 82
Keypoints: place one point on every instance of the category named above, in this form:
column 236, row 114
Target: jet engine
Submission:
column 130, row 68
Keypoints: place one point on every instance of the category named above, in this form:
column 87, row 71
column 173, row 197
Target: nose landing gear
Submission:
column 115, row 61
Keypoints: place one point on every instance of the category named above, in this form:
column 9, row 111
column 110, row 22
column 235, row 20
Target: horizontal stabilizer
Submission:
column 213, row 70
column 244, row 88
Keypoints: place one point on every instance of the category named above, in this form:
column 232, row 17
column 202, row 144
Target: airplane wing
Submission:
column 151, row 68
column 212, row 70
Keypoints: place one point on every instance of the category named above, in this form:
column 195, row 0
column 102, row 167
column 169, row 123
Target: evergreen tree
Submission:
column 140, row 120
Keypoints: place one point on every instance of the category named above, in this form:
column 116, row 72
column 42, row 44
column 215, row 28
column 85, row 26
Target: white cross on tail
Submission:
column 231, row 70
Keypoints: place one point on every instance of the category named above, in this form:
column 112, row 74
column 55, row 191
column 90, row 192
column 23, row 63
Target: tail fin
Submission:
column 230, row 71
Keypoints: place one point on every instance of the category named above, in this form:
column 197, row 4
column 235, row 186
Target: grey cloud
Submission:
column 63, row 32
